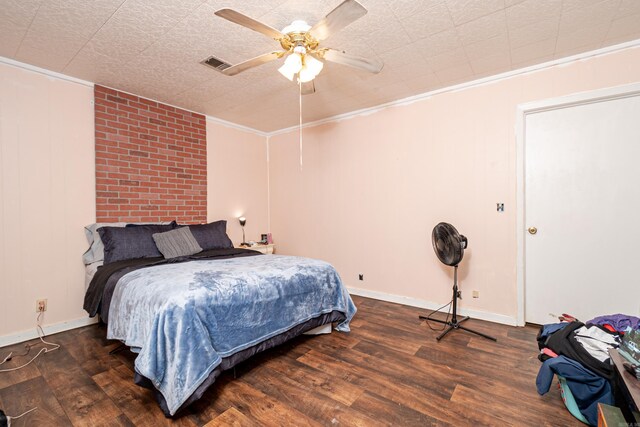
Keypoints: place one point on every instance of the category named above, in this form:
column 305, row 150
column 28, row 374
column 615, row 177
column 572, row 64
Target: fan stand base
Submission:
column 456, row 324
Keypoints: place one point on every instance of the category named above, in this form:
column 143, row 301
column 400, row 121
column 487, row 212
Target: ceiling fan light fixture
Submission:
column 285, row 71
column 306, row 75
column 310, row 69
column 292, row 65
column 313, row 65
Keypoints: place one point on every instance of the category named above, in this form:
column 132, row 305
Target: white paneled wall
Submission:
column 47, row 195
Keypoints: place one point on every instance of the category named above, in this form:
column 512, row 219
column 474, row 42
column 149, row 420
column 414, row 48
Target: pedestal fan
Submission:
column 449, row 246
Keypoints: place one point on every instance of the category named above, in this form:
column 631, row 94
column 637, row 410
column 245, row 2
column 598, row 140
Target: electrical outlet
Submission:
column 476, row 294
column 360, row 276
column 41, row 305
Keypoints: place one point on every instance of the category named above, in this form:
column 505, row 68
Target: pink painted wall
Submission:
column 47, row 196
column 372, row 187
column 237, row 180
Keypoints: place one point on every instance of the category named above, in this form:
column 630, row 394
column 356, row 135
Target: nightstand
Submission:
column 265, row 249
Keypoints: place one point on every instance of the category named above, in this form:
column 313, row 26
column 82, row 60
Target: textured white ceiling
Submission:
column 153, row 48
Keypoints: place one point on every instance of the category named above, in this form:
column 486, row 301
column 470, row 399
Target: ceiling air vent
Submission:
column 216, row 63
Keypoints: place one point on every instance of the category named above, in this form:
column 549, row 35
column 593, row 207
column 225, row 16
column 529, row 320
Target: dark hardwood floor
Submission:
column 388, row 371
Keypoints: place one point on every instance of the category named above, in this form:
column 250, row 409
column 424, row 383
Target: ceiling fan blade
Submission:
column 252, row 24
column 344, row 14
column 308, row 88
column 337, row 56
column 253, row 62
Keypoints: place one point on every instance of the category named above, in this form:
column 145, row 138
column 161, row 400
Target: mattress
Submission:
column 191, row 319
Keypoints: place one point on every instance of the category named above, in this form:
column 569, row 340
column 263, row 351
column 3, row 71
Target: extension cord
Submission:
column 5, row 420
column 41, row 335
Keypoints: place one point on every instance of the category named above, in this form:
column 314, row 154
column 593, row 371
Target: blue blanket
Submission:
column 184, row 318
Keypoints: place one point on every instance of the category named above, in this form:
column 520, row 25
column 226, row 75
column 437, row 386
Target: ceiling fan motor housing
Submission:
column 294, row 39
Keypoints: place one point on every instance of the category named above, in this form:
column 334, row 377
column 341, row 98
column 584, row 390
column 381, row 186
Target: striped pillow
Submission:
column 177, row 243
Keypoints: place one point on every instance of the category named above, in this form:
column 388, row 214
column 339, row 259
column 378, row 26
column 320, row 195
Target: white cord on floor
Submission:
column 20, row 416
column 41, row 335
column 7, row 358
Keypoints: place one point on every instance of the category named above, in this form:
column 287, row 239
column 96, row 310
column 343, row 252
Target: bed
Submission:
column 189, row 318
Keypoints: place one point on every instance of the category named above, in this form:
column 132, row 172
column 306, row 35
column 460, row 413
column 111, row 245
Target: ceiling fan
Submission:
column 301, row 45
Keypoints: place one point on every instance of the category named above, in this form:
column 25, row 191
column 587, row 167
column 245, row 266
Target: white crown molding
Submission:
column 370, row 110
column 48, row 330
column 44, row 71
column 466, row 85
column 61, row 76
column 237, row 126
column 428, row 305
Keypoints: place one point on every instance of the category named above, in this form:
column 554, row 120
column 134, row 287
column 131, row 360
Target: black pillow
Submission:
column 130, row 242
column 212, row 235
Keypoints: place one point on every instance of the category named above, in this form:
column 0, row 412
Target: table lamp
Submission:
column 243, row 221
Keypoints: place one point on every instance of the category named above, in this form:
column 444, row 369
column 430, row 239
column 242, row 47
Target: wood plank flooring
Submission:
column 388, row 371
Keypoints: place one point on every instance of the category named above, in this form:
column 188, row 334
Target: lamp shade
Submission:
column 285, row 71
column 305, row 75
column 291, row 66
column 242, row 221
column 311, row 67
column 314, row 65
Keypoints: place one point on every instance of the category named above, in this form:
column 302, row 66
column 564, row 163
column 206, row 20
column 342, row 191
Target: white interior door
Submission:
column 582, row 193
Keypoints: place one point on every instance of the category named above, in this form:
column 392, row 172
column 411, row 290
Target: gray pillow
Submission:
column 176, row 243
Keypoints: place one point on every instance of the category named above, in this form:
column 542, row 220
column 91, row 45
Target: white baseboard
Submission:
column 383, row 296
column 48, row 330
column 415, row 302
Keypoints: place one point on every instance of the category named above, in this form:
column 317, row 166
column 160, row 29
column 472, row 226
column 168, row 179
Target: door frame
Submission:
column 581, row 98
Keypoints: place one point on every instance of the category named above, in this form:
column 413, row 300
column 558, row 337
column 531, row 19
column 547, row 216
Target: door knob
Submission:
column 533, row 230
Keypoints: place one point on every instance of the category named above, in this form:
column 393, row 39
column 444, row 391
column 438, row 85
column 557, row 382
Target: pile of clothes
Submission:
column 578, row 354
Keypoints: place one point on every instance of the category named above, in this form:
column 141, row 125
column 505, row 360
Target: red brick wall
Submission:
column 151, row 160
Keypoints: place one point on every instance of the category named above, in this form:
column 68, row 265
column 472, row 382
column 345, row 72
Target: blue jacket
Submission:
column 587, row 388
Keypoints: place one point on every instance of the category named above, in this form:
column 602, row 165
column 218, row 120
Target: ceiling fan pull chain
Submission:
column 300, row 117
